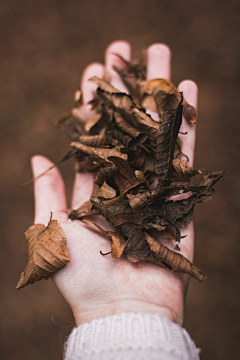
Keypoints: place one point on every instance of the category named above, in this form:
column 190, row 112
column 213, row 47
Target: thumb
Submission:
column 49, row 192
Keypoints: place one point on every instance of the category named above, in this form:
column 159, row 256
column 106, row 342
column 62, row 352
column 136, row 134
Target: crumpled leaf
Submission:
column 132, row 75
column 172, row 260
column 138, row 200
column 122, row 103
column 162, row 96
column 47, row 252
column 125, row 177
column 131, row 152
column 100, row 154
column 163, row 144
column 104, row 85
column 182, row 169
column 123, row 125
column 105, row 174
column 96, row 141
column 208, row 180
column 85, row 209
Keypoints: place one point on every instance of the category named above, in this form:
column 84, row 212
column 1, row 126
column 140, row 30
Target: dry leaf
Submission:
column 129, row 149
column 167, row 234
column 163, row 144
column 85, row 209
column 182, row 169
column 172, row 260
column 123, row 104
column 138, row 200
column 162, row 96
column 105, row 174
column 132, row 74
column 96, row 141
column 104, row 85
column 106, row 191
column 125, row 177
column 128, row 129
column 100, row 154
column 47, row 252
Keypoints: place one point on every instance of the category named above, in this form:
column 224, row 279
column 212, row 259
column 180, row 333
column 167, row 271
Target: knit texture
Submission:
column 130, row 336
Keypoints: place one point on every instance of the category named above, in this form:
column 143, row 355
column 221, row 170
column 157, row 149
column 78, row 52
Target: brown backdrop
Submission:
column 45, row 47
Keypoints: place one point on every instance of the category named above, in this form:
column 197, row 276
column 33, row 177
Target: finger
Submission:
column 190, row 93
column 122, row 48
column 88, row 88
column 49, row 192
column 158, row 62
column 82, row 189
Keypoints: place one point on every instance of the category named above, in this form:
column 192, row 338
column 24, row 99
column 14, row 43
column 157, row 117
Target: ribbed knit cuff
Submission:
column 130, row 336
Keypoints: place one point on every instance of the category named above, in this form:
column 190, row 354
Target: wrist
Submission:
column 102, row 310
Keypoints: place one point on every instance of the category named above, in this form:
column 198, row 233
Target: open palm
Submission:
column 94, row 285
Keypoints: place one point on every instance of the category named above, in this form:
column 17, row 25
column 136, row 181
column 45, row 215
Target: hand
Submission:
column 94, row 285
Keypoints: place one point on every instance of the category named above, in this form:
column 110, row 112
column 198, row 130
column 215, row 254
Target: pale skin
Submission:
column 96, row 286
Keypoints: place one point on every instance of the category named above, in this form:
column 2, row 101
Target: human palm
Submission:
column 94, row 285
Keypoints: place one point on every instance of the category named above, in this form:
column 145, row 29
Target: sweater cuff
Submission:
column 130, row 336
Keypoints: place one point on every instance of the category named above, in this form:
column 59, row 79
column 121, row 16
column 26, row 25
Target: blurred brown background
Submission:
column 45, row 46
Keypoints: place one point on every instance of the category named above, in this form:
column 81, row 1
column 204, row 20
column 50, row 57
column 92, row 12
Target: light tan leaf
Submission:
column 173, row 261
column 89, row 124
column 100, row 154
column 104, row 85
column 138, row 200
column 106, row 191
column 47, row 252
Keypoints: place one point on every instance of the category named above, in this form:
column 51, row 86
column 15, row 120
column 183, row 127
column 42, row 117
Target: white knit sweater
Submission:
column 130, row 336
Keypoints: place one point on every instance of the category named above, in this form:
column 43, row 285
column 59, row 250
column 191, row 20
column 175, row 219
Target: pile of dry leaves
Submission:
column 139, row 166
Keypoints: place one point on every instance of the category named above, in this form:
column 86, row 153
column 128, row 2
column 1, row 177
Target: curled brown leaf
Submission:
column 172, row 260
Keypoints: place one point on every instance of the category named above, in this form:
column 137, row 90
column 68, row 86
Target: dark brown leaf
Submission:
column 125, row 177
column 84, row 210
column 123, row 104
column 182, row 169
column 124, row 126
column 163, row 144
column 105, row 174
